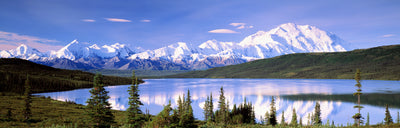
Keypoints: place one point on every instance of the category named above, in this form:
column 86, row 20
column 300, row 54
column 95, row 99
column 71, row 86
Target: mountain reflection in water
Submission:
column 335, row 96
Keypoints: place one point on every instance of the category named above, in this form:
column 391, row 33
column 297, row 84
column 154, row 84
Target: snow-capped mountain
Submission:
column 285, row 39
column 291, row 38
column 76, row 50
column 23, row 51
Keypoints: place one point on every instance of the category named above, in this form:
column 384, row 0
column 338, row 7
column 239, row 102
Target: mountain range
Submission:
column 285, row 39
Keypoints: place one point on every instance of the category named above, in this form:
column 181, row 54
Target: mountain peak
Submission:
column 292, row 38
column 284, row 39
column 288, row 25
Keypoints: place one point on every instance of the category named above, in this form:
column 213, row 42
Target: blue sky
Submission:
column 155, row 23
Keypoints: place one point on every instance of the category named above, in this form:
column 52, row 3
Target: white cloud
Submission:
column 237, row 24
column 88, row 20
column 146, row 21
column 10, row 40
column 222, row 31
column 388, row 35
column 117, row 20
column 240, row 25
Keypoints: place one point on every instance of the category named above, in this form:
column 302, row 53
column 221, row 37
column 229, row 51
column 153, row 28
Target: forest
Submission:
column 15, row 71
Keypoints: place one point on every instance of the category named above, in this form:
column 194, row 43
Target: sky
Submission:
column 150, row 24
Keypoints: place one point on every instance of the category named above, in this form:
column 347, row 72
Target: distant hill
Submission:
column 13, row 73
column 381, row 63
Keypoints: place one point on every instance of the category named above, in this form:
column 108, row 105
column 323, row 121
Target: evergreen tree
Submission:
column 283, row 118
column 208, row 109
column 272, row 114
column 135, row 115
column 180, row 106
column 222, row 113
column 211, row 108
column 163, row 119
column 28, row 100
column 388, row 117
column 317, row 115
column 205, row 109
column 398, row 117
column 253, row 115
column 327, row 122
column 357, row 117
column 367, row 123
column 293, row 122
column 266, row 118
column 9, row 114
column 243, row 114
column 262, row 120
column 187, row 118
column 98, row 107
column 301, row 121
column 175, row 118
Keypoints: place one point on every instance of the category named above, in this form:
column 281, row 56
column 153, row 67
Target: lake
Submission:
column 335, row 96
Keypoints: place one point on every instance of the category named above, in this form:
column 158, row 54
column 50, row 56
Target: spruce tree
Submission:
column 327, row 123
column 222, row 108
column 293, row 122
column 367, row 123
column 9, row 115
column 301, row 121
column 187, row 118
column 357, row 117
column 98, row 107
column 388, row 117
column 205, row 109
column 211, row 109
column 28, row 100
column 272, row 114
column 283, row 118
column 135, row 115
column 208, row 109
column 266, row 118
column 398, row 118
column 317, row 115
column 180, row 106
column 163, row 119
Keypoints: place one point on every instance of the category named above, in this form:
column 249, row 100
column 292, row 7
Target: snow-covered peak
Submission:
column 116, row 50
column 214, row 47
column 22, row 51
column 73, row 50
column 94, row 46
column 291, row 38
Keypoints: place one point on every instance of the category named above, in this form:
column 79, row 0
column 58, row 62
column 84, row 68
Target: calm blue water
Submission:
column 157, row 92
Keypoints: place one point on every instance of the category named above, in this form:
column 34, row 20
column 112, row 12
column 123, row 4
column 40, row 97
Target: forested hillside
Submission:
column 375, row 63
column 13, row 73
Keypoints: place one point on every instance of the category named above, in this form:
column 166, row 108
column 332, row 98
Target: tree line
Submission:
column 99, row 110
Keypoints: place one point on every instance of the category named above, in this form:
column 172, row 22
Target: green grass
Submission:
column 381, row 63
column 47, row 112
